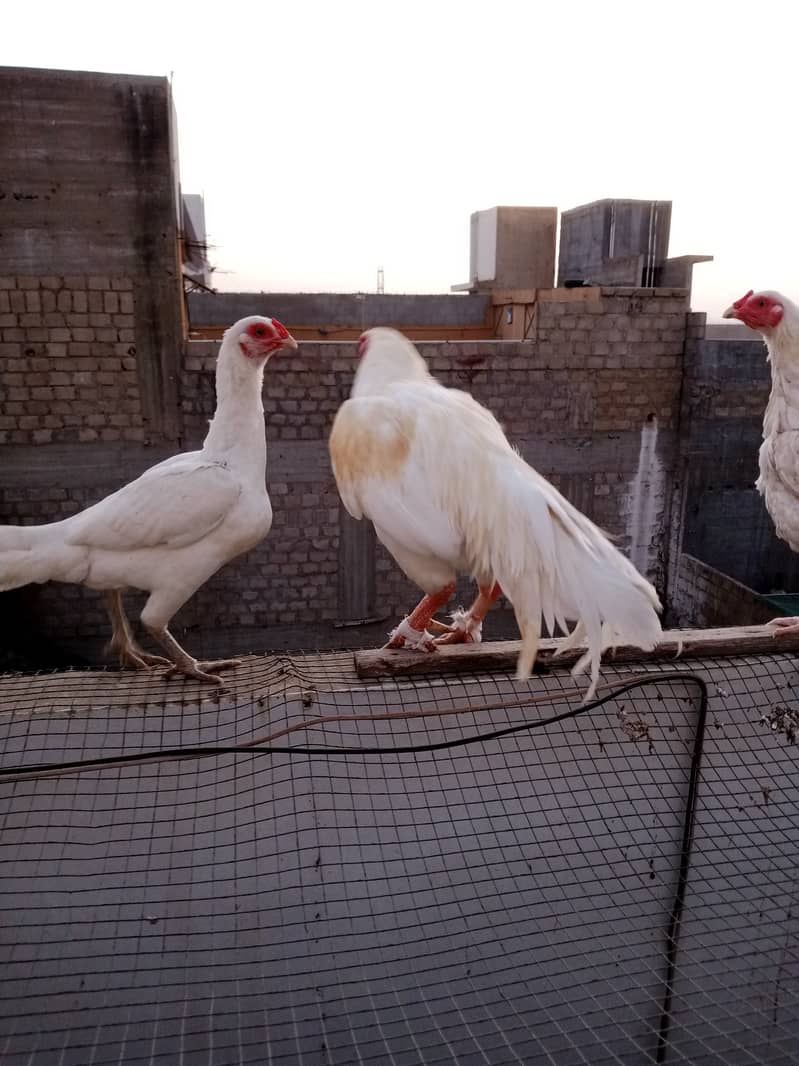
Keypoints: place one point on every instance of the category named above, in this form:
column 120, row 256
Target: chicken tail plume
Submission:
column 23, row 558
column 554, row 563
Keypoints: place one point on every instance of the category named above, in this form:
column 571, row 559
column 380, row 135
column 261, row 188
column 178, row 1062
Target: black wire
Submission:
column 165, row 754
column 675, row 921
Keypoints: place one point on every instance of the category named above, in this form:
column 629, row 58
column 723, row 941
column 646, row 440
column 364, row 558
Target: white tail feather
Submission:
column 553, row 562
column 529, row 651
column 23, row 558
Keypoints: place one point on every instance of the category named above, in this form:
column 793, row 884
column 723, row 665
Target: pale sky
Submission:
column 333, row 138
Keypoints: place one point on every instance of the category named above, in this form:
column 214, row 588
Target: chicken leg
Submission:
column 412, row 631
column 467, row 626
column 159, row 610
column 122, row 640
column 183, row 663
column 784, row 626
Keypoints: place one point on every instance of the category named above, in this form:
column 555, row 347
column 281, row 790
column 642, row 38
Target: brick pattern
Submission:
column 290, row 578
column 579, row 377
column 68, row 360
column 733, row 385
column 596, row 368
column 695, row 325
column 723, row 400
column 705, row 598
column 301, row 392
column 629, row 345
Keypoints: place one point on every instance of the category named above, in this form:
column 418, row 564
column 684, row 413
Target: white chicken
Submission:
column 446, row 493
column 777, row 319
column 168, row 531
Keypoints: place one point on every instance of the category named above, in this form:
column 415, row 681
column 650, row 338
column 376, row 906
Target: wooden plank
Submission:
column 677, row 645
column 514, row 296
column 352, row 333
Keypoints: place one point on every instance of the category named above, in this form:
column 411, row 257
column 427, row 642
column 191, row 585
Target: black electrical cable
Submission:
column 673, row 933
column 167, row 754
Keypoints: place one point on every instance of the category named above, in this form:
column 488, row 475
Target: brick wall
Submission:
column 704, row 597
column 90, row 199
column 68, row 360
column 592, row 400
column 571, row 390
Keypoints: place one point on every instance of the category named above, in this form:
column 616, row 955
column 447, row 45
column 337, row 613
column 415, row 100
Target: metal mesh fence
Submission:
column 515, row 899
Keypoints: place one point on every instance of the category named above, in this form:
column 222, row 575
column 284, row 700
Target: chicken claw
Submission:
column 784, row 627
column 202, row 671
column 465, row 629
column 122, row 641
column 134, row 657
column 405, row 636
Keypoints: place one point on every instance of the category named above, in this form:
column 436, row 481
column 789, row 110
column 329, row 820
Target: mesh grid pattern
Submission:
column 506, row 901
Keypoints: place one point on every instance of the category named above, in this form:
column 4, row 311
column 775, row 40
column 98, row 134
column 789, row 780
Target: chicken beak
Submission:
column 731, row 312
column 289, row 342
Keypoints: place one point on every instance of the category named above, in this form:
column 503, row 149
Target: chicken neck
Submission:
column 236, row 433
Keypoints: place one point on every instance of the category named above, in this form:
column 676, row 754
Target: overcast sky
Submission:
column 332, row 138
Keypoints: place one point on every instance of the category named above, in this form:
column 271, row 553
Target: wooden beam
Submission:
column 677, row 645
column 514, row 296
column 352, row 333
column 586, row 294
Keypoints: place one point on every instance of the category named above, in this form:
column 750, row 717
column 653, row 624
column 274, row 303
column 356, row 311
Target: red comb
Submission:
column 282, row 332
column 742, row 301
column 363, row 344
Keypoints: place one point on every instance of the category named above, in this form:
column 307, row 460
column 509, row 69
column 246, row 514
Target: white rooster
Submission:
column 447, row 493
column 777, row 319
column 168, row 531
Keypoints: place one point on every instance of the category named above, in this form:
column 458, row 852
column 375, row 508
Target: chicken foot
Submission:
column 122, row 641
column 412, row 631
column 784, row 626
column 467, row 626
column 183, row 663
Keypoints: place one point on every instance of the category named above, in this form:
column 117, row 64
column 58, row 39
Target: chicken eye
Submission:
column 259, row 332
column 762, row 303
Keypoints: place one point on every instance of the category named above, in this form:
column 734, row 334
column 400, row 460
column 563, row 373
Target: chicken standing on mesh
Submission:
column 168, row 531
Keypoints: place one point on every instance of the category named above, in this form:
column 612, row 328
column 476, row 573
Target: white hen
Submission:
column 447, row 493
column 169, row 530
column 777, row 319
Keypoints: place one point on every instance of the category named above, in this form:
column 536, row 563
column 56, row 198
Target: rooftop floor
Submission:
column 437, row 896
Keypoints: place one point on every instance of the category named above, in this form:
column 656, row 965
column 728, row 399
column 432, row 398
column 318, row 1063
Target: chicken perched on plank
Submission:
column 168, row 531
column 777, row 319
column 447, row 493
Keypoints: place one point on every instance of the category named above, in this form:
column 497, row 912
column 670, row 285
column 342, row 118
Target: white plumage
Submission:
column 777, row 319
column 446, row 492
column 169, row 530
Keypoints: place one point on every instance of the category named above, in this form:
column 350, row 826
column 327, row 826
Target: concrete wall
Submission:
column 704, row 597
column 332, row 312
column 593, row 235
column 725, row 520
column 513, row 248
column 592, row 402
column 88, row 203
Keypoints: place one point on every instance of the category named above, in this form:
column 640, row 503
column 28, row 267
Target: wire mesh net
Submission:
column 523, row 899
